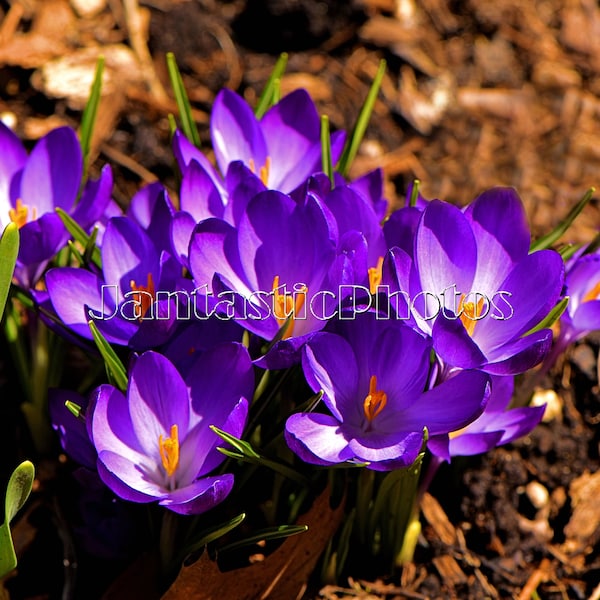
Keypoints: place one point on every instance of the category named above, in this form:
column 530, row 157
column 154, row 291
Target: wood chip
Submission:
column 450, row 571
column 434, row 514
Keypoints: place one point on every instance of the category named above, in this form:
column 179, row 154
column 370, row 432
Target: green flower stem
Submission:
column 364, row 499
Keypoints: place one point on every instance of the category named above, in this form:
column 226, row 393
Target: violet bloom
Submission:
column 270, row 272
column 283, row 148
column 155, row 444
column 473, row 286
column 32, row 187
column 497, row 425
column 374, row 379
column 122, row 300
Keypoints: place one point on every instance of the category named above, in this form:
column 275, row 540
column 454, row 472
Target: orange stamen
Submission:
column 469, row 313
column 20, row 213
column 592, row 294
column 287, row 305
column 143, row 296
column 169, row 451
column 375, row 401
column 264, row 171
column 375, row 276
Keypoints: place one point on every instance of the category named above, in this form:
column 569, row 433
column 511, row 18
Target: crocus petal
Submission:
column 291, row 129
column 208, row 380
column 118, row 486
column 72, row 290
column 521, row 355
column 531, row 289
column 182, row 227
column 386, row 452
column 400, row 229
column 158, row 399
column 14, row 158
column 587, row 316
column 326, row 355
column 127, row 478
column 199, row 496
column 448, row 406
column 242, row 185
column 454, row 345
column 95, row 199
column 370, row 187
column 214, row 249
column 316, row 439
column 71, row 430
column 199, row 195
column 235, row 132
column 470, row 444
column 500, row 227
column 185, row 152
column 41, row 239
column 445, row 249
column 52, row 175
column 128, row 255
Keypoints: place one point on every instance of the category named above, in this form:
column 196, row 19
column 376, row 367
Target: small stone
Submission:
column 538, row 495
column 553, row 402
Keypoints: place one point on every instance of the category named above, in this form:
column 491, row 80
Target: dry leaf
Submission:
column 281, row 576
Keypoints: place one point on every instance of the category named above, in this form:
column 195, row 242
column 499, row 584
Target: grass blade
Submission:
column 269, row 94
column 9, row 249
column 188, row 124
column 547, row 240
column 115, row 370
column 351, row 147
column 90, row 112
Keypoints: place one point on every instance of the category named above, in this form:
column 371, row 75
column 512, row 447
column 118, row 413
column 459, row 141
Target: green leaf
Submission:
column 327, row 165
column 17, row 492
column 245, row 452
column 115, row 370
column 9, row 249
column 188, row 124
column 269, row 94
column 90, row 112
column 18, row 489
column 551, row 318
column 266, row 535
column 547, row 240
column 8, row 558
column 209, row 535
column 353, row 142
column 569, row 250
column 79, row 235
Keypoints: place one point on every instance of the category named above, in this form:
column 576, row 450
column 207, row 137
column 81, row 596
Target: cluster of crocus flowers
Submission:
column 412, row 327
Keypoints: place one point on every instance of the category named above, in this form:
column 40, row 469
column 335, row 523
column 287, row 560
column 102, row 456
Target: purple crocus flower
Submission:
column 497, row 425
column 32, row 187
column 473, row 286
column 374, row 378
column 283, row 148
column 123, row 299
column 273, row 266
column 154, row 444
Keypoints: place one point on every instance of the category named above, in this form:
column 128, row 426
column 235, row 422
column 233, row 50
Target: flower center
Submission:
column 375, row 401
column 20, row 213
column 264, row 171
column 470, row 313
column 287, row 305
column 169, row 451
column 143, row 296
column 375, row 276
column 592, row 294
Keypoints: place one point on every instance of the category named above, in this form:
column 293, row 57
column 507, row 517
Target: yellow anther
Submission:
column 470, row 313
column 169, row 451
column 375, row 276
column 143, row 296
column 287, row 305
column 375, row 401
column 264, row 171
column 592, row 294
column 20, row 213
